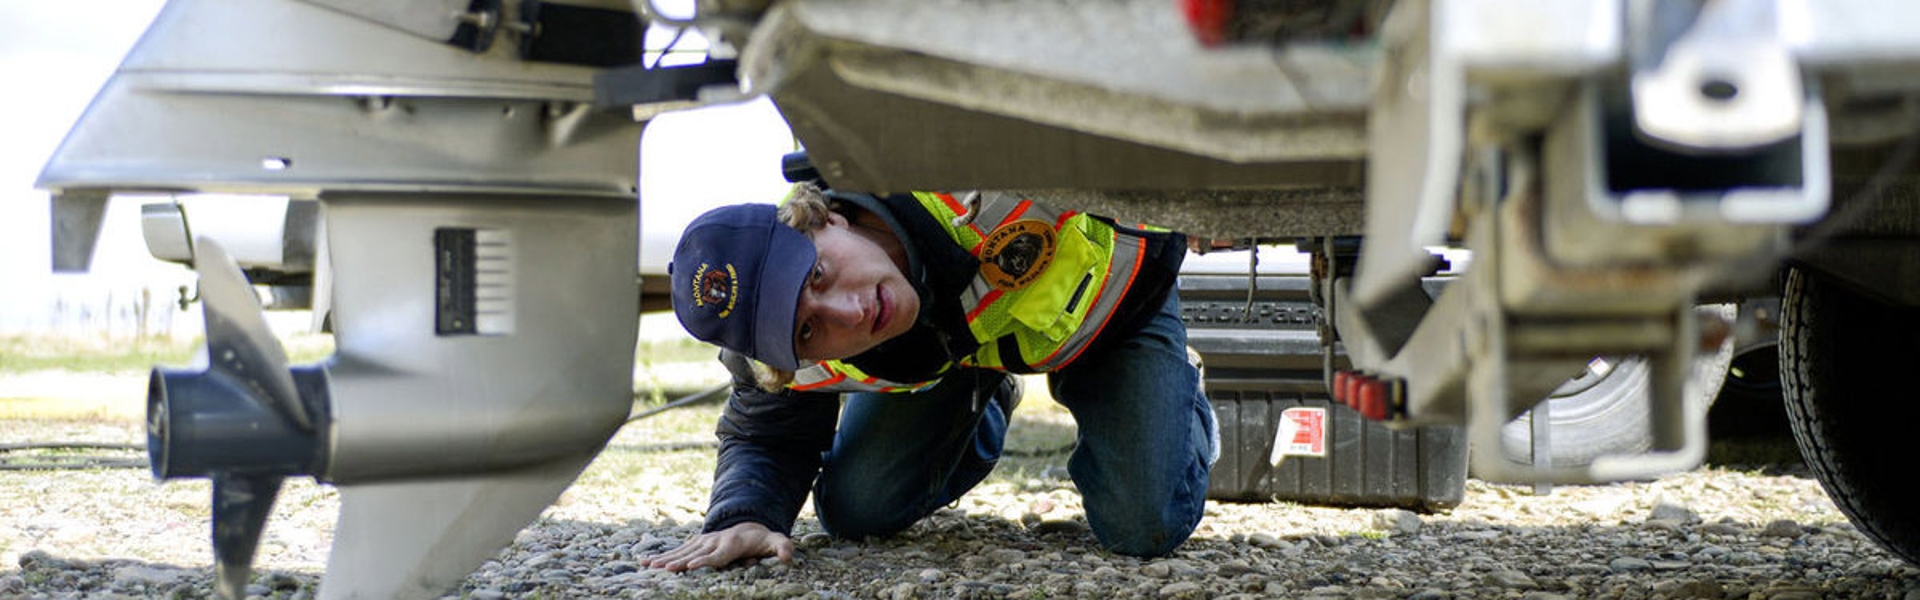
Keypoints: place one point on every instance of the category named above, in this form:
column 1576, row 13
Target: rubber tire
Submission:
column 1609, row 417
column 1843, row 360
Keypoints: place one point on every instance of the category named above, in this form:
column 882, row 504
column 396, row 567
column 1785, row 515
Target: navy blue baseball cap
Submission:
column 737, row 276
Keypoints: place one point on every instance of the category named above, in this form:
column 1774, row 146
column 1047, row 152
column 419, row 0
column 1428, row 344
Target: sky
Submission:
column 55, row 55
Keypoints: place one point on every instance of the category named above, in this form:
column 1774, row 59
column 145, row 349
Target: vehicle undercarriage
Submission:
column 1615, row 168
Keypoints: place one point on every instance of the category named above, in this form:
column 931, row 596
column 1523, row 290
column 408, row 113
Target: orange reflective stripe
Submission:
column 1062, row 221
column 836, row 378
column 952, row 204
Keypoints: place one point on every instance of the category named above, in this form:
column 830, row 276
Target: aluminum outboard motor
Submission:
column 474, row 247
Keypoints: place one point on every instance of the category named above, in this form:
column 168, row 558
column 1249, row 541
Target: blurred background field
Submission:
column 77, row 375
column 91, row 388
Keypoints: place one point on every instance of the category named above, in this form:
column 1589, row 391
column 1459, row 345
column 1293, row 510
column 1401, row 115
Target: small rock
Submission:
column 39, row 559
column 903, row 591
column 487, row 595
column 1661, row 525
column 1709, row 553
column 1792, row 593
column 1181, row 589
column 1266, row 540
column 1006, row 556
column 1510, row 579
column 1586, row 568
column 1234, row 568
column 1782, row 528
column 145, row 575
column 842, row 553
column 1723, row 528
column 1628, row 564
column 1428, row 594
column 1397, row 521
column 930, row 575
column 1041, row 506
column 1156, row 570
column 1700, row 589
column 1668, row 511
column 790, row 589
column 1670, row 565
column 1059, row 526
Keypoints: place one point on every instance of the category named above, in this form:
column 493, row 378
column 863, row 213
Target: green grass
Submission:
column 673, row 350
column 100, row 354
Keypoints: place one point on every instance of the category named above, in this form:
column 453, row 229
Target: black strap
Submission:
column 1010, row 357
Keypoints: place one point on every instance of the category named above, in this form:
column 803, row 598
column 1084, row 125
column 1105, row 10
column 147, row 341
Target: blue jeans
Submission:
column 1147, row 440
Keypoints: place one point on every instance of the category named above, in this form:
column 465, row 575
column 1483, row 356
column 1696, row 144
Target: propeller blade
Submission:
column 238, row 340
column 240, row 507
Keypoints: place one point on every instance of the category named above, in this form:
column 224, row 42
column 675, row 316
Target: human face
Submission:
column 856, row 296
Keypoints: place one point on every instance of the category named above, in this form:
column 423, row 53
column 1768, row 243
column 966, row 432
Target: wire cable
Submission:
column 8, row 463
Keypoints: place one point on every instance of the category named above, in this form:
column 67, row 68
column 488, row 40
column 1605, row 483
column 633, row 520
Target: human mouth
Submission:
column 882, row 309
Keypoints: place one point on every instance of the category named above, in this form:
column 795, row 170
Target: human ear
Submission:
column 835, row 219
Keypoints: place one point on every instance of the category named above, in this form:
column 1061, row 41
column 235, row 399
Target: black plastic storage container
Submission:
column 1263, row 365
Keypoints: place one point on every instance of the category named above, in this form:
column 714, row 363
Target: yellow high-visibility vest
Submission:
column 1049, row 281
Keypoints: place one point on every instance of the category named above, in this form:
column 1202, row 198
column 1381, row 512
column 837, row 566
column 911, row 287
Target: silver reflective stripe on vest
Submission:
column 996, row 209
column 820, row 377
column 974, row 294
column 812, row 376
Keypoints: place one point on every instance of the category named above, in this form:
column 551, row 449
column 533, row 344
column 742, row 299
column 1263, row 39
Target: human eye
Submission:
column 805, row 333
column 816, row 275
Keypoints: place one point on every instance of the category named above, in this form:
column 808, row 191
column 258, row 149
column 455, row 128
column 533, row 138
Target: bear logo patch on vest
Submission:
column 717, row 288
column 1016, row 253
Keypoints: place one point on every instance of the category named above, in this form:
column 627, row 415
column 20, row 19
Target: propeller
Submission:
column 246, row 421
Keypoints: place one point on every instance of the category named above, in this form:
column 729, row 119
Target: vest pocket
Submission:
column 1053, row 305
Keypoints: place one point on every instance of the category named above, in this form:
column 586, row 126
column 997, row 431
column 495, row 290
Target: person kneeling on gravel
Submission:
column 920, row 308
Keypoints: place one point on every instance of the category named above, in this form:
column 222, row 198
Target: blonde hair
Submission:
column 805, row 209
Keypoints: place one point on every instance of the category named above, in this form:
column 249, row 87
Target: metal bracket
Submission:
column 1713, row 75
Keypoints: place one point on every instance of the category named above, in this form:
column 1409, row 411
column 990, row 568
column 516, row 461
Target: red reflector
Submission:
column 1340, row 386
column 1208, row 19
column 1350, row 393
column 1373, row 399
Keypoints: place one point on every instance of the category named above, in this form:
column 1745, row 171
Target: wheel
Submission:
column 1843, row 358
column 1603, row 410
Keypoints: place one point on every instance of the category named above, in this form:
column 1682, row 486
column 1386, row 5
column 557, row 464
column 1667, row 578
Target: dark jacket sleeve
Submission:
column 770, row 451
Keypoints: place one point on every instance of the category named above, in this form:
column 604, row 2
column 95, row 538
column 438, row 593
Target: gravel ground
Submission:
column 1718, row 532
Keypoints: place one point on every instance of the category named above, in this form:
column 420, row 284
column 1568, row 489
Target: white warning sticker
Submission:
column 1303, row 432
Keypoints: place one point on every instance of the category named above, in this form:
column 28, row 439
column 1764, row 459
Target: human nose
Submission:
column 841, row 310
